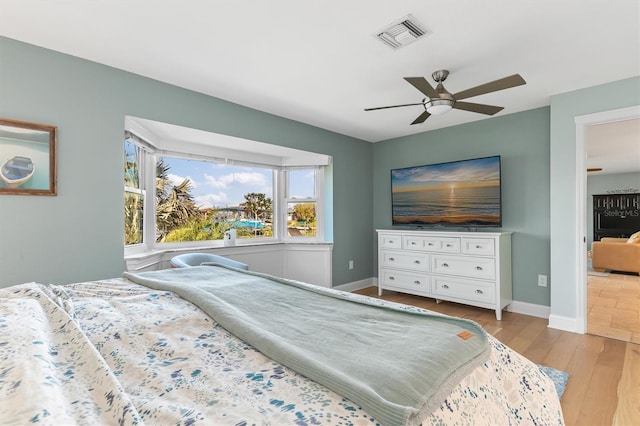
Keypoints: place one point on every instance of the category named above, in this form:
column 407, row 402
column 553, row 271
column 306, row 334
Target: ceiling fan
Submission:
column 440, row 101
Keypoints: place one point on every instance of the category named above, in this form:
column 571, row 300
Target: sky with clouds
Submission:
column 221, row 185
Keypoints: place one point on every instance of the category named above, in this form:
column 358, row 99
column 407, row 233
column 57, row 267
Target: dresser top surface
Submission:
column 443, row 233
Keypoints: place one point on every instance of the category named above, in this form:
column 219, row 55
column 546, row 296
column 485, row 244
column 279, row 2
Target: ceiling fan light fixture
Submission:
column 439, row 106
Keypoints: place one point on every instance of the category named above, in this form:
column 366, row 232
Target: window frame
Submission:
column 139, row 190
column 219, row 242
column 146, row 180
column 318, row 199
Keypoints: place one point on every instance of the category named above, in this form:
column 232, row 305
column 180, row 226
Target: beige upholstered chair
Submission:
column 617, row 254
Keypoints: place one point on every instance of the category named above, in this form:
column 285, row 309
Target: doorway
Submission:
column 582, row 125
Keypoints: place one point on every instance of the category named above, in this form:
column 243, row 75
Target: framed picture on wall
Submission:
column 27, row 158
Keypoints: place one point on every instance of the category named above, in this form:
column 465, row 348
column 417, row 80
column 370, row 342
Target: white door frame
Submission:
column 582, row 122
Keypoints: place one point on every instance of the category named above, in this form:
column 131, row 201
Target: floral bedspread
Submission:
column 113, row 352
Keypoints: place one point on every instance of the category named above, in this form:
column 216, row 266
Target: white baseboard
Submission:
column 357, row 285
column 524, row 308
column 564, row 323
column 530, row 309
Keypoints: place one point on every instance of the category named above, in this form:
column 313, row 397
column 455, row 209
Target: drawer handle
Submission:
column 478, row 246
column 413, row 243
column 430, row 244
column 392, row 278
column 479, row 292
column 417, row 262
column 449, row 245
column 445, row 265
column 445, row 286
column 478, row 268
column 390, row 241
column 417, row 282
column 392, row 259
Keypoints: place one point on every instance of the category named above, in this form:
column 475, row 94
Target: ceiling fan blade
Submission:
column 421, row 118
column 481, row 108
column 392, row 106
column 494, row 86
column 422, row 85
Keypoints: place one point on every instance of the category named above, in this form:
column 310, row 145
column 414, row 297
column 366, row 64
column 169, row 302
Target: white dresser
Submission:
column 466, row 267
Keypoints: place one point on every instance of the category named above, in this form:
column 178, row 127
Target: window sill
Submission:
column 164, row 252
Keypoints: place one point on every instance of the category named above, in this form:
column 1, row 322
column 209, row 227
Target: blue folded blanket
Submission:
column 398, row 364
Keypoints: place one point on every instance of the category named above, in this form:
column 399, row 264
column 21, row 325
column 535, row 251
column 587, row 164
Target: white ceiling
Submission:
column 318, row 62
column 614, row 147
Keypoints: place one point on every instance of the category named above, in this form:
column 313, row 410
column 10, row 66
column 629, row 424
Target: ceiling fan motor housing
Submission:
column 442, row 93
column 443, row 101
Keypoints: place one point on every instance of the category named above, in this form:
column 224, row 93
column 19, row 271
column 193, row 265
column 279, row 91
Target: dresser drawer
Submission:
column 472, row 267
column 464, row 289
column 391, row 241
column 479, row 246
column 405, row 260
column 434, row 244
column 405, row 280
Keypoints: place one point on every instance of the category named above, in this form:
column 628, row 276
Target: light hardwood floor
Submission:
column 604, row 373
column 613, row 307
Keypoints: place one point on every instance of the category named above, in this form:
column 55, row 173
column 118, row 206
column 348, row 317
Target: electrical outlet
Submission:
column 542, row 280
column 351, row 264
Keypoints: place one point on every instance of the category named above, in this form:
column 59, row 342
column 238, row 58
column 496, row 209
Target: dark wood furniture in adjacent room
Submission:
column 615, row 215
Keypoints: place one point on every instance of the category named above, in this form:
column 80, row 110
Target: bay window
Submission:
column 211, row 183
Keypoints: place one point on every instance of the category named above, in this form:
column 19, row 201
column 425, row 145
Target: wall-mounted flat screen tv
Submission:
column 464, row 193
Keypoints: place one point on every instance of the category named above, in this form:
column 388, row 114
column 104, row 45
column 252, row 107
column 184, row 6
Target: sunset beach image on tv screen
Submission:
column 458, row 193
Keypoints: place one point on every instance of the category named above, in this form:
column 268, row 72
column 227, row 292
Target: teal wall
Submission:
column 600, row 184
column 77, row 235
column 564, row 109
column 522, row 140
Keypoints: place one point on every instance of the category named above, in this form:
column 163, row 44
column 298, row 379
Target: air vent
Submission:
column 402, row 32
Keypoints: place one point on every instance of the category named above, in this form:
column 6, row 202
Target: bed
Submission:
column 145, row 349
